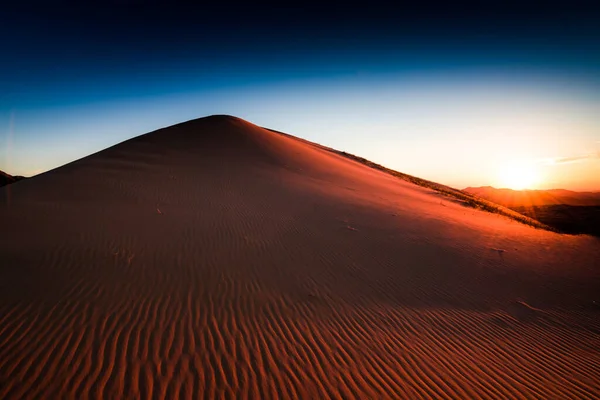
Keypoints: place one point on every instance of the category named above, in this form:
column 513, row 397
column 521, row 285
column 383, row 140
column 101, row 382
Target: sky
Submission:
column 472, row 94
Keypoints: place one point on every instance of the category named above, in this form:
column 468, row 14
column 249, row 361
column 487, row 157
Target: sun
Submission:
column 518, row 175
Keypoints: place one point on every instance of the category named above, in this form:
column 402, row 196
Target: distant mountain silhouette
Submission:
column 566, row 210
column 6, row 179
column 524, row 198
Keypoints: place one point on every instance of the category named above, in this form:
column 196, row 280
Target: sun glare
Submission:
column 518, row 176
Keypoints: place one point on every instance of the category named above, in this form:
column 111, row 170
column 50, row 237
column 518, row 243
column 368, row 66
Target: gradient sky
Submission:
column 458, row 96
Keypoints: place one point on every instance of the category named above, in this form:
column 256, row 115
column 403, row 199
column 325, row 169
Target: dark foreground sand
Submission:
column 218, row 259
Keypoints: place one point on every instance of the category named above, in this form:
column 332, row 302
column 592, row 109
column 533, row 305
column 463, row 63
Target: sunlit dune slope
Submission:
column 215, row 258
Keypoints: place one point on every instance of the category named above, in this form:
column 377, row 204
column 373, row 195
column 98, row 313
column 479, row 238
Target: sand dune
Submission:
column 218, row 259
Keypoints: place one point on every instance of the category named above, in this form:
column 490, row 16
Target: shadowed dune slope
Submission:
column 215, row 258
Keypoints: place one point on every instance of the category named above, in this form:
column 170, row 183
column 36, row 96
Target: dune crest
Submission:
column 216, row 258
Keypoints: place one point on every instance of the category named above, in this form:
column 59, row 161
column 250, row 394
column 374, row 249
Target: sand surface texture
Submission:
column 217, row 259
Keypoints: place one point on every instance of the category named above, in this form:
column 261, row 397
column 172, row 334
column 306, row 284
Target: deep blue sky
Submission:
column 398, row 85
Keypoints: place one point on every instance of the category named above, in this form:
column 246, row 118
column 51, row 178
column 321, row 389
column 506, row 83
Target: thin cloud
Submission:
column 570, row 159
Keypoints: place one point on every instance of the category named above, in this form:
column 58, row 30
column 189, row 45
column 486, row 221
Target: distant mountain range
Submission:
column 528, row 198
column 6, row 179
column 565, row 210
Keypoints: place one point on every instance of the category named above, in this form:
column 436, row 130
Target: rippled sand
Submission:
column 218, row 259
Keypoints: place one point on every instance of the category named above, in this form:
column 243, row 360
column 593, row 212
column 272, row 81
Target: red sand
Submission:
column 217, row 258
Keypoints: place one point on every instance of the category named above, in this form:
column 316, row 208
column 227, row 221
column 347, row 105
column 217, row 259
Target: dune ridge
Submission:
column 218, row 259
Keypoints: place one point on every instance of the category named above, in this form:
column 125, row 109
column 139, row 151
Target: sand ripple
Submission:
column 248, row 283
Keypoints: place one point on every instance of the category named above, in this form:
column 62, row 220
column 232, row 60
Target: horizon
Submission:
column 466, row 97
column 264, row 127
column 299, row 201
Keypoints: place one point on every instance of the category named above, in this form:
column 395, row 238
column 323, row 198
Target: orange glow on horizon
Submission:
column 518, row 176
